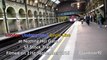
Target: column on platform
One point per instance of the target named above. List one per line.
(43, 20)
(36, 18)
(105, 13)
(48, 19)
(40, 19)
(2, 23)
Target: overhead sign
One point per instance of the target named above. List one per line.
(68, 13)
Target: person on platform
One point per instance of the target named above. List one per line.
(88, 19)
(99, 19)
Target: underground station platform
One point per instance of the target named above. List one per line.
(85, 43)
(53, 30)
(78, 42)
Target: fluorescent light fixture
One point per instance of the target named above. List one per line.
(56, 9)
(46, 5)
(52, 7)
(53, 0)
(36, 1)
(57, 2)
(78, 4)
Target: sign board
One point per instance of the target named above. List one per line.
(68, 13)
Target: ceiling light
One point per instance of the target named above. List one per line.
(56, 9)
(53, 0)
(36, 1)
(52, 7)
(78, 4)
(57, 2)
(46, 5)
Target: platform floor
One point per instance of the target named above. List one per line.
(86, 43)
(91, 43)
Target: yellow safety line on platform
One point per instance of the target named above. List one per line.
(50, 58)
(56, 49)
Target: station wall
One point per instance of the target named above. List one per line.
(19, 20)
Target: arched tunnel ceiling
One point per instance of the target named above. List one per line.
(73, 0)
(48, 2)
(69, 7)
(63, 4)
